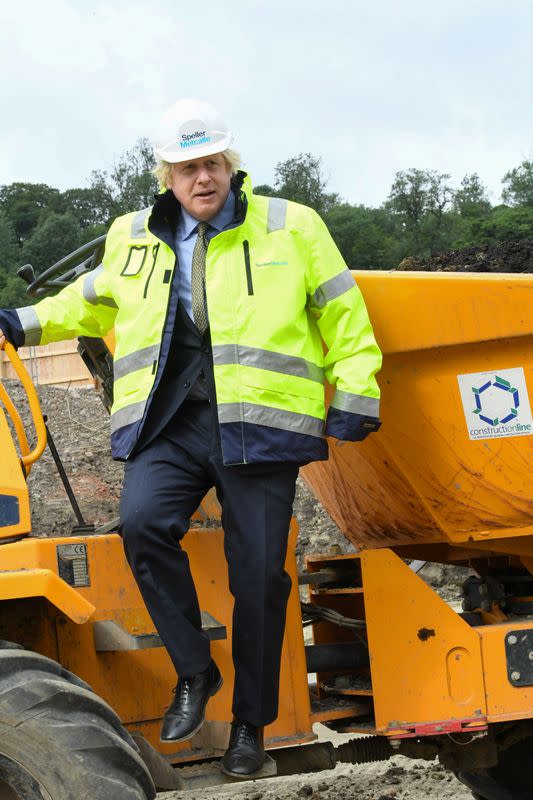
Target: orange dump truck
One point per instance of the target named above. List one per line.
(84, 680)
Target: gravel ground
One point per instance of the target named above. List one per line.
(80, 427)
(397, 779)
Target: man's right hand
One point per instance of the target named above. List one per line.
(2, 339)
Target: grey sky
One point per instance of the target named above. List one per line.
(373, 87)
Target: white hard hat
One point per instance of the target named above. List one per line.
(190, 129)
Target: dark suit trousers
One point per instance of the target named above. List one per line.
(164, 484)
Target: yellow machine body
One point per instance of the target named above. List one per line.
(41, 611)
(422, 479)
(14, 500)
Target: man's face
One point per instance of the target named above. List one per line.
(201, 185)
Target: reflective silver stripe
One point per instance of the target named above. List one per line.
(30, 325)
(138, 231)
(135, 361)
(356, 403)
(277, 214)
(266, 359)
(271, 418)
(125, 416)
(89, 292)
(332, 288)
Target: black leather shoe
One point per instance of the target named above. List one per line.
(245, 755)
(186, 713)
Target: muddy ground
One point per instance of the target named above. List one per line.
(80, 427)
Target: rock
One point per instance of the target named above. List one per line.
(433, 574)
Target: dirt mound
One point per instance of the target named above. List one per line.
(511, 256)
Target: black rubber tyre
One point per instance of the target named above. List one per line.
(510, 779)
(60, 741)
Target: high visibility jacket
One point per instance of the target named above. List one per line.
(277, 288)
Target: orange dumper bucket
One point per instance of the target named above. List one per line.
(453, 459)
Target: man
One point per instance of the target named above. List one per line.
(220, 301)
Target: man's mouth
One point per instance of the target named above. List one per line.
(205, 194)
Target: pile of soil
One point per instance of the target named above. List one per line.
(515, 255)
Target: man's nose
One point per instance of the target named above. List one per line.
(203, 175)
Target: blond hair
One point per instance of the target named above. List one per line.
(163, 169)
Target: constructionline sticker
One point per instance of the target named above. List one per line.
(496, 404)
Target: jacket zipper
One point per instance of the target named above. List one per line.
(155, 365)
(149, 278)
(246, 248)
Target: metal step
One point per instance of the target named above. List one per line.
(110, 636)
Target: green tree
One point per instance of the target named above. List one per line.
(471, 200)
(59, 235)
(518, 185)
(302, 179)
(503, 223)
(266, 190)
(129, 186)
(89, 206)
(420, 198)
(367, 237)
(28, 204)
(9, 249)
(12, 288)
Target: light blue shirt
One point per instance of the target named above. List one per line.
(186, 235)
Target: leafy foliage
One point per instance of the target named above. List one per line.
(27, 204)
(12, 291)
(130, 184)
(302, 179)
(56, 237)
(518, 185)
(421, 198)
(368, 238)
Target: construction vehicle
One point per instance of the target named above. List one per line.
(84, 680)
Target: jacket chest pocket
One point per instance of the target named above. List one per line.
(139, 266)
(135, 260)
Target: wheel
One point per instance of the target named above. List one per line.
(510, 779)
(59, 740)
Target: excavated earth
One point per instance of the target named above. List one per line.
(515, 255)
(79, 426)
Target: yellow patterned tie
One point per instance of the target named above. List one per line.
(199, 308)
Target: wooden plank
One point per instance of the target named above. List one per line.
(57, 364)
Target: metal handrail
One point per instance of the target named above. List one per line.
(28, 457)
